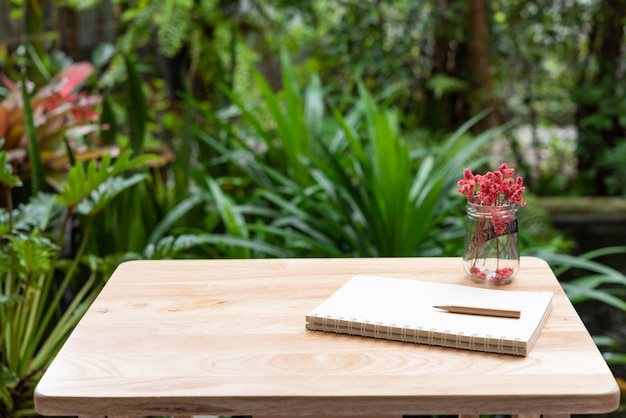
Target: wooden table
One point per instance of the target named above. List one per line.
(227, 337)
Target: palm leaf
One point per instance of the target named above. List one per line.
(81, 183)
(99, 198)
(41, 212)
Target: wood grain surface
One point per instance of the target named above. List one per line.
(228, 337)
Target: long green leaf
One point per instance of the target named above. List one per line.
(314, 109)
(171, 246)
(340, 218)
(301, 240)
(174, 215)
(108, 122)
(34, 153)
(579, 294)
(136, 110)
(244, 159)
(569, 261)
(234, 222)
(615, 358)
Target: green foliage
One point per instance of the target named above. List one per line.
(595, 282)
(175, 20)
(36, 170)
(233, 220)
(593, 286)
(442, 84)
(33, 326)
(335, 169)
(228, 246)
(346, 185)
(382, 43)
(537, 232)
(175, 17)
(136, 115)
(546, 70)
(99, 198)
(34, 254)
(82, 183)
(34, 277)
(6, 172)
(612, 160)
(203, 239)
(41, 212)
(288, 113)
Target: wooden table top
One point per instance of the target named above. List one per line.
(228, 337)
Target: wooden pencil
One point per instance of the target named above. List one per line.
(471, 310)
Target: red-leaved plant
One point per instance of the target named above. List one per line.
(62, 115)
(491, 244)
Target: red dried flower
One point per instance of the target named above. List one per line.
(494, 188)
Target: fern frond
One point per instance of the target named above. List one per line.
(174, 19)
(84, 4)
(138, 33)
(208, 10)
(442, 84)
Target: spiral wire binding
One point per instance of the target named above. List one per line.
(459, 339)
(472, 341)
(416, 335)
(444, 336)
(331, 324)
(403, 334)
(431, 336)
(501, 343)
(516, 346)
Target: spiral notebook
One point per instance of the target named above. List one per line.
(404, 310)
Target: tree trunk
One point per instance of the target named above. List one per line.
(481, 93)
(448, 111)
(33, 15)
(68, 28)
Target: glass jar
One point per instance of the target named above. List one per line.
(491, 254)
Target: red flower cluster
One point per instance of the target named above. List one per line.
(495, 188)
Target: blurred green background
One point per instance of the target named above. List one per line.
(285, 128)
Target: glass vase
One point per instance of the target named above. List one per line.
(491, 254)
